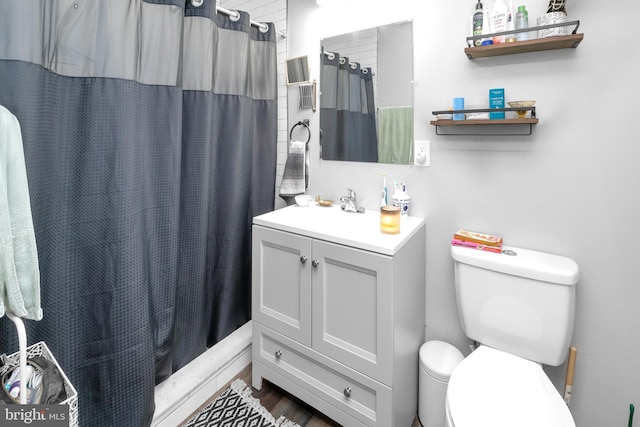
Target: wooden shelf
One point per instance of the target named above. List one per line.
(534, 45)
(485, 126)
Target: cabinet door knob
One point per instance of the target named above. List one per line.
(303, 259)
(278, 354)
(347, 392)
(315, 263)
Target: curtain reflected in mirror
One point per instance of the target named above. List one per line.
(347, 110)
(366, 95)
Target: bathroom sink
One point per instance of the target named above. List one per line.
(359, 230)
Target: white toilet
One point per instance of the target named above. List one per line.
(519, 306)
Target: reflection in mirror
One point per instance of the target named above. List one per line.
(298, 70)
(366, 95)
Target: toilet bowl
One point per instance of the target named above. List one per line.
(492, 388)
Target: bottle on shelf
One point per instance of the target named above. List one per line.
(522, 22)
(502, 20)
(479, 23)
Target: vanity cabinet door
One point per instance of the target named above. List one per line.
(352, 308)
(281, 282)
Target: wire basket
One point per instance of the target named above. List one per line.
(41, 349)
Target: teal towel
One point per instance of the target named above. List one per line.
(395, 135)
(19, 270)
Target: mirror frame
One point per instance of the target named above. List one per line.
(389, 92)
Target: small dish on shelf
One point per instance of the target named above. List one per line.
(522, 104)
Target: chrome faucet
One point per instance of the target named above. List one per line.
(349, 203)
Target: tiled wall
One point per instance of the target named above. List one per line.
(272, 11)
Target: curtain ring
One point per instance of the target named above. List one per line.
(196, 3)
(304, 123)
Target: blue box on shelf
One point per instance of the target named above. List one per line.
(458, 104)
(496, 100)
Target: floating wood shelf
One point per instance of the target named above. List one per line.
(484, 126)
(533, 45)
(529, 122)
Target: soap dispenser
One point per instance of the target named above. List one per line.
(479, 23)
(402, 200)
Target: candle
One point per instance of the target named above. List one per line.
(390, 219)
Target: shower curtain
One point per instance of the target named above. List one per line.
(149, 132)
(347, 111)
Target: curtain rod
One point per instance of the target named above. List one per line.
(234, 15)
(332, 55)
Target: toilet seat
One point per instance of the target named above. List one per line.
(491, 388)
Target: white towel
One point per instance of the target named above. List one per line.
(294, 178)
(19, 270)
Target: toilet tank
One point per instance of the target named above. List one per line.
(520, 301)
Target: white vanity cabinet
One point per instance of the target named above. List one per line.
(338, 312)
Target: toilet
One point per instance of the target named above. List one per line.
(519, 306)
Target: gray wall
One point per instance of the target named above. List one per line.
(571, 188)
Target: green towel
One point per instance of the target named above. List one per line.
(395, 135)
(19, 271)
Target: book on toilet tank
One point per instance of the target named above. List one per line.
(478, 246)
(480, 238)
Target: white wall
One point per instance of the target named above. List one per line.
(571, 188)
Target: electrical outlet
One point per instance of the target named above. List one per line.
(422, 153)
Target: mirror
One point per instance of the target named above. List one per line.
(298, 70)
(366, 95)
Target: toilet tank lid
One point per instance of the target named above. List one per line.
(522, 262)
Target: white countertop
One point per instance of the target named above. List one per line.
(358, 230)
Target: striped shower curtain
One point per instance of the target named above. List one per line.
(149, 131)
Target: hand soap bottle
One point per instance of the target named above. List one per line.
(479, 23)
(402, 200)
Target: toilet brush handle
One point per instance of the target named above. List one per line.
(568, 384)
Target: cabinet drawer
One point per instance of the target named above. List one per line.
(349, 391)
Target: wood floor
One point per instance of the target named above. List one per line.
(281, 403)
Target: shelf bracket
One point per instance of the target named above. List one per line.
(474, 132)
(471, 39)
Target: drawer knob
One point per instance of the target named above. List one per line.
(347, 392)
(278, 354)
(303, 259)
(315, 263)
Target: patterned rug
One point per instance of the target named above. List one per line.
(237, 408)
